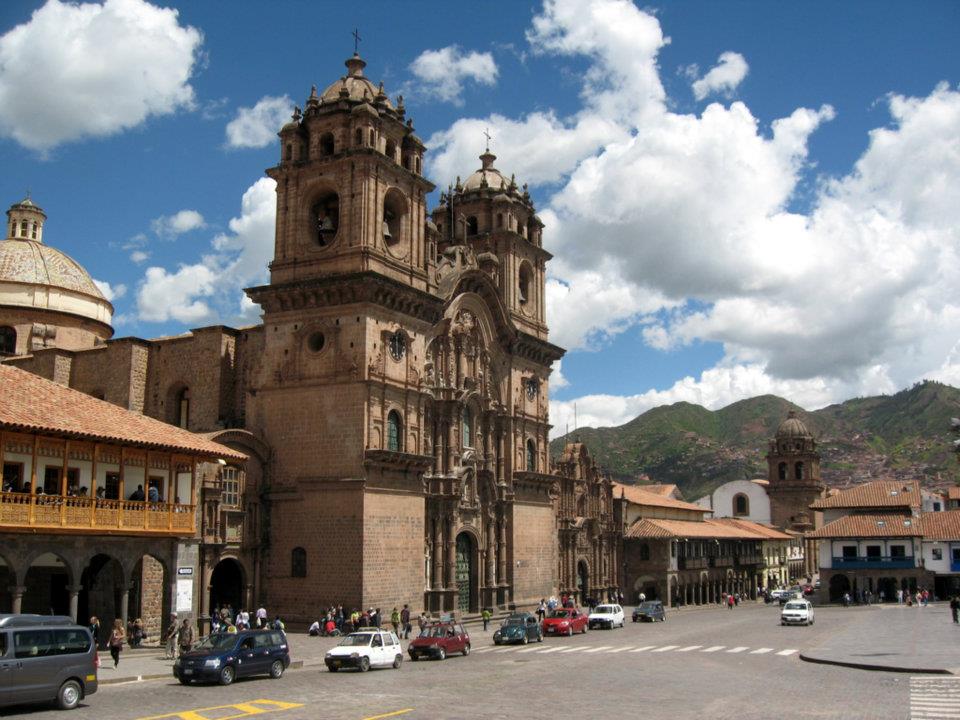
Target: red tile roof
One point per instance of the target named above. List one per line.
(30, 403)
(640, 496)
(879, 493)
(953, 493)
(876, 526)
(941, 525)
(664, 489)
(720, 528)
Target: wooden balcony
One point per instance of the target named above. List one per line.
(22, 512)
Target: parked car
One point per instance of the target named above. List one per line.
(565, 621)
(808, 590)
(224, 657)
(519, 628)
(364, 650)
(797, 612)
(651, 610)
(46, 658)
(439, 640)
(606, 616)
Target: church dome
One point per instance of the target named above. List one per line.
(354, 86)
(486, 176)
(793, 427)
(35, 275)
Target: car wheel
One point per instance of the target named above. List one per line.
(414, 657)
(540, 637)
(782, 623)
(583, 630)
(184, 680)
(332, 668)
(397, 661)
(442, 655)
(569, 632)
(276, 669)
(525, 640)
(227, 675)
(466, 649)
(364, 664)
(496, 642)
(68, 696)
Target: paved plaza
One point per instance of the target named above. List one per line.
(700, 663)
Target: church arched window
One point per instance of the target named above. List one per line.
(467, 428)
(391, 150)
(33, 231)
(373, 138)
(531, 456)
(644, 552)
(394, 208)
(741, 504)
(472, 225)
(298, 562)
(8, 340)
(289, 152)
(419, 165)
(358, 137)
(798, 470)
(394, 432)
(325, 218)
(23, 228)
(782, 471)
(326, 144)
(183, 408)
(524, 283)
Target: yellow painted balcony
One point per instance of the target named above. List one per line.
(59, 513)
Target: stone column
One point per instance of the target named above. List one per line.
(74, 591)
(16, 598)
(437, 553)
(124, 605)
(491, 554)
(451, 551)
(502, 552)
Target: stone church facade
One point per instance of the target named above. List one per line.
(393, 403)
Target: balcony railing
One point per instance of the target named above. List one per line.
(58, 512)
(872, 562)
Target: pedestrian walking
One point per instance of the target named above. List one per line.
(405, 621)
(486, 618)
(541, 609)
(185, 636)
(900, 596)
(422, 622)
(95, 630)
(730, 602)
(170, 639)
(395, 621)
(955, 608)
(261, 617)
(116, 641)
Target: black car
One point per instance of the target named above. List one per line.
(227, 656)
(519, 628)
(651, 610)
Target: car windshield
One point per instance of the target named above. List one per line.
(436, 631)
(223, 641)
(513, 621)
(356, 639)
(560, 614)
(603, 610)
(795, 606)
(648, 606)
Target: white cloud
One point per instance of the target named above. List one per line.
(257, 126)
(212, 288)
(693, 233)
(723, 78)
(110, 292)
(104, 68)
(139, 256)
(441, 73)
(170, 226)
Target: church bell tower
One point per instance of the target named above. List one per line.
(793, 473)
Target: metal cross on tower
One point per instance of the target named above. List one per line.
(356, 41)
(486, 134)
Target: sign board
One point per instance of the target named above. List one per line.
(185, 571)
(185, 595)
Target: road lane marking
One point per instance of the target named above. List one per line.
(598, 649)
(620, 649)
(689, 648)
(665, 648)
(389, 714)
(550, 650)
(784, 653)
(738, 649)
(575, 649)
(529, 649)
(246, 709)
(934, 697)
(484, 649)
(645, 647)
(761, 651)
(714, 648)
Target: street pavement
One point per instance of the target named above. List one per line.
(712, 662)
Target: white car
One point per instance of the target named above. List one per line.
(606, 616)
(797, 612)
(364, 650)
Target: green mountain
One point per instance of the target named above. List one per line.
(902, 436)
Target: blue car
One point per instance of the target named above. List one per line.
(519, 628)
(225, 657)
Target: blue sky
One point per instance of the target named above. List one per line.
(742, 197)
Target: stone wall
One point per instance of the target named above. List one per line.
(534, 553)
(393, 557)
(639, 573)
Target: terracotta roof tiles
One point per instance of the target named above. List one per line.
(719, 528)
(641, 496)
(877, 526)
(30, 403)
(879, 493)
(941, 525)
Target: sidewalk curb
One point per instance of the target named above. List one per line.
(873, 667)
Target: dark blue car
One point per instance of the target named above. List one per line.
(225, 657)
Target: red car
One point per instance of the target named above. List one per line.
(565, 621)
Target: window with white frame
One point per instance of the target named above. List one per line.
(231, 482)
